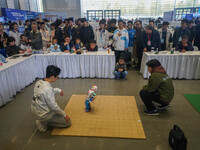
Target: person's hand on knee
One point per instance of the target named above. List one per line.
(67, 118)
(61, 93)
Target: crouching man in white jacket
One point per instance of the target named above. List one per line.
(44, 105)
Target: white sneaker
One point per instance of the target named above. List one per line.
(41, 127)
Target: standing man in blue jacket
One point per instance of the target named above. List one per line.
(131, 35)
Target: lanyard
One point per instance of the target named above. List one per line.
(149, 37)
(163, 33)
(44, 35)
(102, 31)
(70, 31)
(182, 32)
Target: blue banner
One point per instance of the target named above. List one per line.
(13, 14)
(189, 16)
(33, 15)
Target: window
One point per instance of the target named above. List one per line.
(138, 8)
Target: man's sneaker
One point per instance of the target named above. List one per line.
(151, 113)
(41, 127)
(163, 106)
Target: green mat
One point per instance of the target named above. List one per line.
(194, 99)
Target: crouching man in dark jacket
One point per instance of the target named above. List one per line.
(160, 88)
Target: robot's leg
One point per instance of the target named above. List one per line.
(88, 108)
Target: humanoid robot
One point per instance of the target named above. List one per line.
(90, 97)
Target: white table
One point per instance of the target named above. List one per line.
(88, 65)
(18, 73)
(178, 65)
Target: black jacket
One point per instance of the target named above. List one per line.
(180, 47)
(59, 36)
(138, 42)
(5, 36)
(193, 33)
(64, 47)
(197, 36)
(73, 33)
(12, 50)
(179, 33)
(86, 34)
(89, 48)
(36, 40)
(154, 38)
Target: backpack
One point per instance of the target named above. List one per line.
(177, 139)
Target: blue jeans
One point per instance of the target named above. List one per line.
(120, 74)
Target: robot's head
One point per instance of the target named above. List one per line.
(94, 88)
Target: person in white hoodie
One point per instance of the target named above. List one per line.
(121, 40)
(14, 32)
(102, 36)
(44, 105)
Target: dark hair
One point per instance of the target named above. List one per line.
(185, 37)
(54, 38)
(120, 21)
(140, 21)
(38, 23)
(59, 22)
(37, 18)
(184, 21)
(27, 21)
(122, 58)
(42, 23)
(153, 63)
(33, 23)
(101, 22)
(130, 21)
(124, 22)
(151, 21)
(66, 20)
(52, 71)
(21, 36)
(78, 37)
(190, 21)
(14, 23)
(46, 20)
(165, 23)
(32, 20)
(70, 19)
(149, 27)
(11, 39)
(79, 19)
(112, 21)
(93, 41)
(84, 19)
(53, 24)
(67, 36)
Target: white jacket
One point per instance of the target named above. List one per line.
(45, 35)
(168, 36)
(16, 35)
(120, 42)
(44, 104)
(104, 36)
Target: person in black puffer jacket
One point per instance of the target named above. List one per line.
(86, 32)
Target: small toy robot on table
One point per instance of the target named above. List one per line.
(90, 97)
